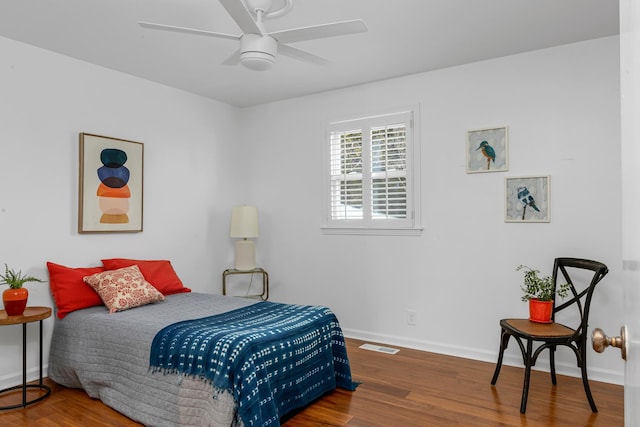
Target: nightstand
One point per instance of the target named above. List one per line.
(31, 314)
(265, 281)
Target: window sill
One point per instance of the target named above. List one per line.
(360, 231)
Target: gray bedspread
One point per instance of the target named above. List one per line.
(107, 355)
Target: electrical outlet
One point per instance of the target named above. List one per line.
(411, 317)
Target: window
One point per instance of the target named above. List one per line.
(371, 185)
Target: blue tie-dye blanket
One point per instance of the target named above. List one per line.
(272, 357)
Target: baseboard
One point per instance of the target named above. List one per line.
(15, 379)
(595, 374)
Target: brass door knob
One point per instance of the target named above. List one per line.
(601, 341)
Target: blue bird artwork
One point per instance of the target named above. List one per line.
(488, 152)
(527, 200)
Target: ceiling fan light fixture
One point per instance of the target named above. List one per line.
(257, 61)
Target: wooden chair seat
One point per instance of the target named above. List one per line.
(537, 331)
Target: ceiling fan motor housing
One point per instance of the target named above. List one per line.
(257, 52)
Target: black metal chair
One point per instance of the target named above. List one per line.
(555, 334)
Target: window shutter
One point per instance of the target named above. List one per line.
(389, 171)
(371, 174)
(346, 175)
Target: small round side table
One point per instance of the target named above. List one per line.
(31, 314)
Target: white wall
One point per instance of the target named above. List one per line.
(191, 148)
(562, 109)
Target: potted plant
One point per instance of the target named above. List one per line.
(15, 298)
(539, 291)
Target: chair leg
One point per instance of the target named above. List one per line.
(527, 377)
(504, 341)
(585, 379)
(587, 390)
(552, 364)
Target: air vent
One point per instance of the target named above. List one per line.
(379, 348)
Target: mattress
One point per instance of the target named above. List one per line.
(109, 355)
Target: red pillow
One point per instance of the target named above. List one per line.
(159, 273)
(69, 291)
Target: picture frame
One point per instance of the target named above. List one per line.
(110, 185)
(527, 199)
(487, 150)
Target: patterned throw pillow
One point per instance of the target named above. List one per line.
(123, 288)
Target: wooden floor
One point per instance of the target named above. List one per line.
(410, 388)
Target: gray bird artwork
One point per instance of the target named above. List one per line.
(527, 200)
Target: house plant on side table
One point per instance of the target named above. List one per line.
(540, 291)
(15, 298)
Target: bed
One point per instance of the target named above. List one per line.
(109, 355)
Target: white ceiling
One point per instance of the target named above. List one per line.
(405, 37)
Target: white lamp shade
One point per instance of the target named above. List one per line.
(244, 222)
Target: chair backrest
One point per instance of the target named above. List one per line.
(565, 270)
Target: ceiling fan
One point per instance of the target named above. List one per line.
(257, 46)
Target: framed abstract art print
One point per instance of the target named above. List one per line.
(110, 185)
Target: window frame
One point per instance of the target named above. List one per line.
(409, 226)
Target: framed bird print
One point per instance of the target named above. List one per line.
(488, 150)
(527, 199)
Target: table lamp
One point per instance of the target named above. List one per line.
(244, 225)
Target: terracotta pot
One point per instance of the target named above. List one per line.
(540, 311)
(15, 300)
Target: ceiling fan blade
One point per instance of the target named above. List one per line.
(187, 30)
(319, 31)
(301, 55)
(242, 16)
(234, 59)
